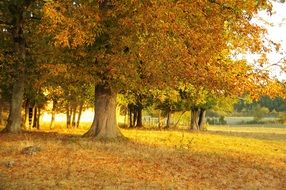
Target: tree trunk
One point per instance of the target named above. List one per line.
(1, 113)
(53, 114)
(14, 119)
(52, 124)
(73, 114)
(38, 118)
(30, 115)
(135, 116)
(104, 123)
(139, 116)
(68, 110)
(26, 117)
(179, 118)
(130, 116)
(202, 117)
(168, 119)
(79, 114)
(159, 120)
(17, 17)
(194, 119)
(35, 116)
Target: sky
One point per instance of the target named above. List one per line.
(276, 33)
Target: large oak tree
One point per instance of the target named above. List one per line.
(170, 41)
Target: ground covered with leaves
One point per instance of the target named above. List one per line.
(221, 158)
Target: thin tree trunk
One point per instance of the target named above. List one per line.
(168, 119)
(179, 118)
(194, 119)
(14, 119)
(30, 115)
(52, 124)
(79, 114)
(35, 116)
(1, 113)
(38, 118)
(53, 114)
(139, 116)
(26, 117)
(159, 120)
(202, 117)
(68, 110)
(104, 123)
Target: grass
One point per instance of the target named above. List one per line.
(222, 158)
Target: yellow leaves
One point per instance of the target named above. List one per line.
(55, 69)
(263, 59)
(176, 40)
(71, 26)
(62, 39)
(151, 160)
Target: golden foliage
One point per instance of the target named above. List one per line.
(166, 41)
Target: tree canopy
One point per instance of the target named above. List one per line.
(129, 45)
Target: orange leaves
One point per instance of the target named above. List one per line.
(70, 25)
(251, 157)
(62, 39)
(263, 59)
(174, 41)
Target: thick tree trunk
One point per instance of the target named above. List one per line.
(73, 114)
(135, 116)
(139, 117)
(202, 117)
(194, 119)
(15, 119)
(104, 123)
(79, 114)
(19, 43)
(130, 116)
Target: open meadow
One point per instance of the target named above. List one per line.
(221, 158)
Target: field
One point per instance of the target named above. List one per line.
(221, 158)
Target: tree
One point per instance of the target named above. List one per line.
(170, 41)
(17, 23)
(14, 16)
(260, 112)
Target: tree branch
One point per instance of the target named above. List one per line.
(223, 6)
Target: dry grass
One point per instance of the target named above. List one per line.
(219, 159)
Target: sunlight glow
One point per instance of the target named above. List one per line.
(87, 116)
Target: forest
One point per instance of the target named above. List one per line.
(141, 94)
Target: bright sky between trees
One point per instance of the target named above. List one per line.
(276, 26)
